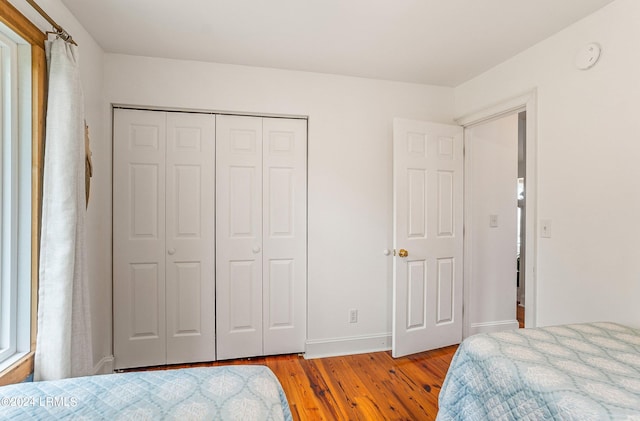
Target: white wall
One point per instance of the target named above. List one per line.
(587, 163)
(98, 222)
(491, 186)
(349, 183)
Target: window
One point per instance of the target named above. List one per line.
(26, 120)
(15, 197)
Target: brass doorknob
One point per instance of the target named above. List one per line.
(403, 253)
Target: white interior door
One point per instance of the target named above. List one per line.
(239, 236)
(190, 270)
(139, 238)
(428, 203)
(284, 235)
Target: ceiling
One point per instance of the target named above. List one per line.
(438, 42)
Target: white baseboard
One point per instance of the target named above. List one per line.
(104, 366)
(347, 346)
(498, 326)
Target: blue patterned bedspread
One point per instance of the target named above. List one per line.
(572, 372)
(238, 392)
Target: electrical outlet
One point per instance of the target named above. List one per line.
(353, 316)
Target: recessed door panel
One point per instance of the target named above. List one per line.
(417, 144)
(243, 283)
(242, 201)
(446, 193)
(188, 207)
(281, 201)
(281, 142)
(445, 290)
(145, 290)
(188, 277)
(189, 139)
(143, 187)
(416, 294)
(145, 137)
(281, 293)
(446, 147)
(243, 141)
(417, 202)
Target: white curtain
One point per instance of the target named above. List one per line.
(63, 347)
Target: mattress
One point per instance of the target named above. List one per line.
(572, 372)
(236, 392)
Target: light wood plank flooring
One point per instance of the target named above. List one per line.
(363, 387)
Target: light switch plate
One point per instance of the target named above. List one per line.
(493, 221)
(545, 228)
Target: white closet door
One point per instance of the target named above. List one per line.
(138, 238)
(239, 236)
(284, 235)
(190, 270)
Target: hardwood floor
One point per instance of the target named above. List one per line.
(520, 315)
(363, 387)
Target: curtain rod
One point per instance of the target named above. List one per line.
(60, 32)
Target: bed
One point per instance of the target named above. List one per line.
(572, 372)
(238, 392)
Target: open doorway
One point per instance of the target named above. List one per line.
(491, 180)
(491, 271)
(521, 224)
(495, 223)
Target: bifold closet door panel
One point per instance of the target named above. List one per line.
(163, 238)
(238, 236)
(139, 238)
(284, 235)
(190, 224)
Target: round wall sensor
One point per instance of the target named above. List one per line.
(587, 56)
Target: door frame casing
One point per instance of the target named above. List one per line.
(525, 102)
